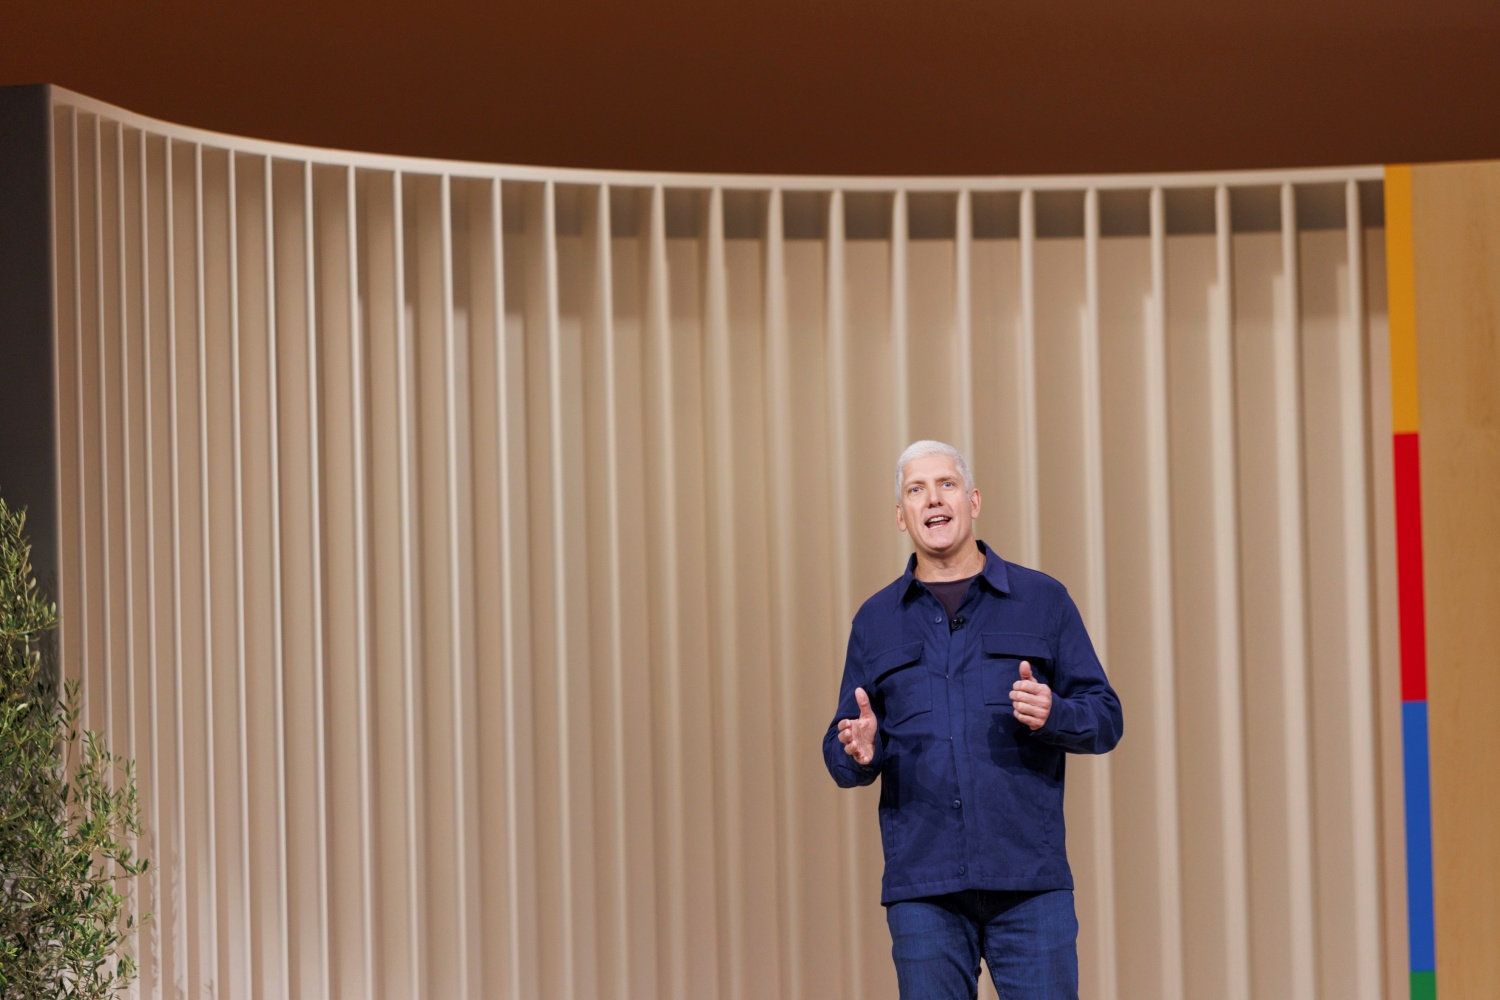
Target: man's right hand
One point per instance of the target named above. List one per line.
(858, 735)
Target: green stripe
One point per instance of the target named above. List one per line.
(1424, 986)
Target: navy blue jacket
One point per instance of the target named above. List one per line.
(970, 798)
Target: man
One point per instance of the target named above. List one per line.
(966, 681)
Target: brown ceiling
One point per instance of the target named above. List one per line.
(811, 86)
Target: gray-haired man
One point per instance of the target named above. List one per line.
(967, 681)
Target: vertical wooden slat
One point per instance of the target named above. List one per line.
(246, 327)
(851, 871)
(572, 408)
(1359, 594)
(1290, 515)
(900, 364)
(646, 897)
(73, 545)
(1028, 495)
(696, 694)
(690, 689)
(563, 734)
(338, 676)
(522, 975)
(899, 319)
(1391, 804)
(114, 664)
(1324, 316)
(464, 512)
(488, 926)
(100, 713)
(1159, 582)
(320, 978)
(495, 889)
(963, 311)
(317, 978)
(459, 647)
(725, 593)
(244, 956)
(538, 340)
(158, 846)
(189, 594)
(779, 442)
(1095, 606)
(170, 826)
(123, 583)
(616, 576)
(180, 873)
(611, 802)
(163, 842)
(666, 646)
(432, 600)
(519, 694)
(90, 397)
(282, 976)
(363, 682)
(1226, 563)
(214, 971)
(134, 398)
(407, 487)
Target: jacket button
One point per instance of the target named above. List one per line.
(962, 869)
(958, 803)
(938, 620)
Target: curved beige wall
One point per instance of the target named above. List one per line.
(465, 553)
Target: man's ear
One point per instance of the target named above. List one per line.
(900, 518)
(974, 502)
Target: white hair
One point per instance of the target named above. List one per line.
(926, 449)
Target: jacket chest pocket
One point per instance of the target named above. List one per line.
(903, 687)
(1001, 668)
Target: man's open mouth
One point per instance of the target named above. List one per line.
(937, 520)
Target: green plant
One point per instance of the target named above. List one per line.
(67, 811)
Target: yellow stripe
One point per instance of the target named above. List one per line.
(1400, 270)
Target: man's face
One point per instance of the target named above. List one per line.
(935, 508)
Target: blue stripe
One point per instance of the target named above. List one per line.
(1418, 836)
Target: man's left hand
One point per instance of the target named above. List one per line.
(1030, 699)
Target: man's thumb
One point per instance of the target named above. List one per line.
(1025, 671)
(863, 700)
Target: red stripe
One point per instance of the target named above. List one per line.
(1409, 569)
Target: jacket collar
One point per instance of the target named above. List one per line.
(994, 574)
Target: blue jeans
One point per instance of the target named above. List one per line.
(1028, 939)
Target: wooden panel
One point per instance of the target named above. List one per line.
(1456, 250)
